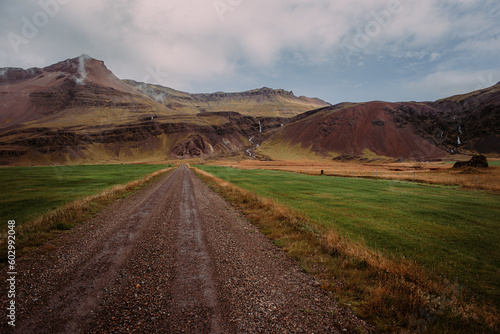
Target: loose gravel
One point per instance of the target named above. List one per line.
(174, 257)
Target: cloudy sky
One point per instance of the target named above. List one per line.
(337, 50)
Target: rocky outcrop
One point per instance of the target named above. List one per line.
(73, 66)
(11, 74)
(478, 161)
(12, 153)
(194, 146)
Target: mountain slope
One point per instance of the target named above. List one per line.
(77, 111)
(355, 128)
(264, 102)
(409, 130)
(154, 138)
(68, 89)
(469, 122)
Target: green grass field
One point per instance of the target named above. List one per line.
(28, 192)
(448, 231)
(491, 163)
(494, 163)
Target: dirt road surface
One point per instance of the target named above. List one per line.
(172, 258)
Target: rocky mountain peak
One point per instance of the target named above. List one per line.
(73, 65)
(271, 91)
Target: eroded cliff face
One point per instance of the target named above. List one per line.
(194, 146)
(203, 135)
(467, 122)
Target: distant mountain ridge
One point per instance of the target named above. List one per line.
(263, 102)
(77, 111)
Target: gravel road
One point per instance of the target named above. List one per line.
(174, 257)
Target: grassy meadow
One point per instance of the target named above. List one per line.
(437, 172)
(28, 192)
(450, 232)
(495, 163)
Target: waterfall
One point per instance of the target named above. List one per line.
(458, 140)
(260, 127)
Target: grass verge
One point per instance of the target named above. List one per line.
(28, 192)
(37, 231)
(395, 294)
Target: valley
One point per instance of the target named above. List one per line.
(316, 217)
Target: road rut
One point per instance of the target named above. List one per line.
(174, 257)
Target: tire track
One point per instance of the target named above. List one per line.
(68, 308)
(174, 257)
(193, 287)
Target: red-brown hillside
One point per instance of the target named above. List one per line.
(353, 128)
(76, 84)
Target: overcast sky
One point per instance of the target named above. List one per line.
(337, 50)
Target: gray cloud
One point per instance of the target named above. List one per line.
(192, 44)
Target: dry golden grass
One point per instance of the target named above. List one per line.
(427, 172)
(396, 295)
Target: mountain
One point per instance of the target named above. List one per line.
(469, 122)
(264, 102)
(75, 88)
(358, 129)
(408, 130)
(78, 111)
